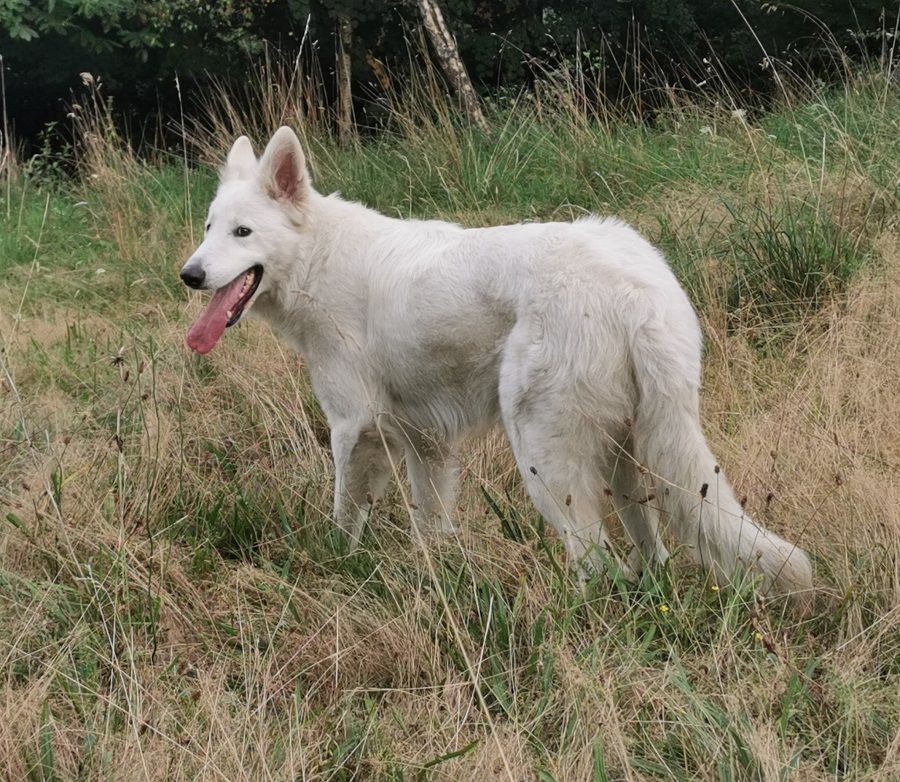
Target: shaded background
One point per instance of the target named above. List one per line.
(138, 48)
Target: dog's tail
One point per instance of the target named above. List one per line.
(694, 496)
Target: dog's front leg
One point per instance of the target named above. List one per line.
(432, 468)
(364, 460)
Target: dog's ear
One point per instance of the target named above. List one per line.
(241, 162)
(282, 168)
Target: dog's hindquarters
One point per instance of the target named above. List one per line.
(566, 395)
(600, 381)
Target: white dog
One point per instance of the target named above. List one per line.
(577, 336)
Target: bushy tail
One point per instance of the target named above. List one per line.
(697, 503)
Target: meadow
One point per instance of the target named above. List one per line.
(175, 605)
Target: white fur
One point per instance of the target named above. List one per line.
(577, 336)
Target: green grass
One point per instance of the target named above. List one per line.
(175, 603)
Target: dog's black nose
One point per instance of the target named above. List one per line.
(193, 277)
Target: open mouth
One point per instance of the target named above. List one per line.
(251, 280)
(224, 309)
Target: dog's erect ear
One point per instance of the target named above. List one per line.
(241, 162)
(282, 168)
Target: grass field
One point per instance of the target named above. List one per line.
(174, 604)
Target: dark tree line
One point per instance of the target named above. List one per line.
(139, 45)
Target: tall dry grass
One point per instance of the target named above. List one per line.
(176, 604)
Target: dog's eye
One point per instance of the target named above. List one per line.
(208, 226)
(242, 231)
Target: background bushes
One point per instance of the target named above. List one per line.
(644, 47)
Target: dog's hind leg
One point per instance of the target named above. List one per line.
(562, 479)
(636, 505)
(562, 454)
(364, 460)
(567, 497)
(432, 469)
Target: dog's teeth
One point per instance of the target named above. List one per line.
(230, 314)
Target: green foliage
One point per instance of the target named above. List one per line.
(103, 25)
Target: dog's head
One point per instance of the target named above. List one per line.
(249, 244)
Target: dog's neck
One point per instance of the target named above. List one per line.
(325, 279)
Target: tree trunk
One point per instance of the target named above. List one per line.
(345, 94)
(448, 57)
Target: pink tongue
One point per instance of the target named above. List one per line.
(207, 331)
